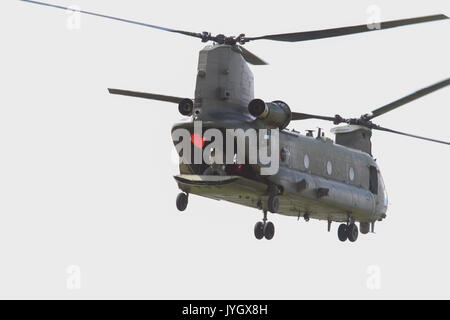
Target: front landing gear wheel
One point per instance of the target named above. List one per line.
(269, 230)
(352, 232)
(342, 232)
(259, 230)
(182, 201)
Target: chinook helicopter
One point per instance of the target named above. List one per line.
(318, 178)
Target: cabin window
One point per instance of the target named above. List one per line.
(373, 180)
(306, 161)
(329, 168)
(284, 154)
(351, 174)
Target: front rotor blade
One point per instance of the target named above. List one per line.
(146, 95)
(251, 58)
(187, 33)
(336, 32)
(400, 102)
(305, 116)
(409, 135)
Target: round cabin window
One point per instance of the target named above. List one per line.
(306, 161)
(351, 174)
(329, 168)
(284, 154)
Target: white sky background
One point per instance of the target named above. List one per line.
(86, 177)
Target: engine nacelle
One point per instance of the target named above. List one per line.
(275, 114)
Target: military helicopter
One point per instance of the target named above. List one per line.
(318, 178)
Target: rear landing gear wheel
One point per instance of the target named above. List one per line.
(269, 230)
(352, 232)
(182, 201)
(342, 232)
(259, 230)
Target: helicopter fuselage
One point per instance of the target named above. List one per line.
(316, 178)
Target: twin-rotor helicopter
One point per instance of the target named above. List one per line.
(317, 178)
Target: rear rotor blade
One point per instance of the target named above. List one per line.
(409, 135)
(251, 58)
(145, 95)
(400, 102)
(187, 33)
(336, 32)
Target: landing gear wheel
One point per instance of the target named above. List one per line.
(269, 230)
(259, 230)
(352, 232)
(182, 201)
(273, 204)
(342, 232)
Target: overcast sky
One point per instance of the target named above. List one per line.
(86, 186)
